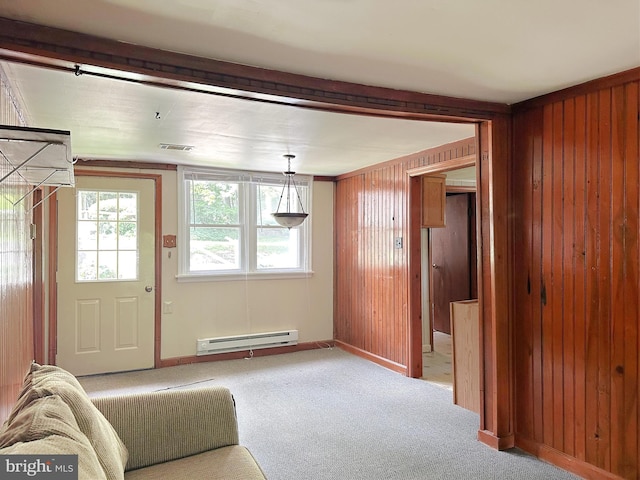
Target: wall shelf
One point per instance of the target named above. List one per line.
(38, 157)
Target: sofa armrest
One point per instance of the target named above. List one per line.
(162, 426)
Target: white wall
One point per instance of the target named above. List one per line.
(212, 309)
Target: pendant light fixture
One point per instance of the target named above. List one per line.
(289, 219)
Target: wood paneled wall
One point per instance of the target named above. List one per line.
(16, 324)
(371, 312)
(576, 277)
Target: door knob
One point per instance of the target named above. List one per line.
(148, 288)
(435, 266)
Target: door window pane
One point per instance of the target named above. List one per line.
(107, 236)
(107, 265)
(87, 236)
(87, 205)
(127, 265)
(108, 205)
(87, 266)
(127, 206)
(127, 236)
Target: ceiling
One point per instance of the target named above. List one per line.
(501, 51)
(119, 120)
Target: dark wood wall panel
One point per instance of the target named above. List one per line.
(576, 278)
(16, 323)
(371, 312)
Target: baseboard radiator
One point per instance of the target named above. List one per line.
(252, 341)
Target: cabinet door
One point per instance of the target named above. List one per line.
(433, 200)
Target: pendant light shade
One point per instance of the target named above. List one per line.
(288, 218)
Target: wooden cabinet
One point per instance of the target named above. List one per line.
(433, 200)
(465, 334)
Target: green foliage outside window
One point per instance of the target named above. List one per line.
(214, 203)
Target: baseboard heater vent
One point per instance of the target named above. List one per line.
(253, 341)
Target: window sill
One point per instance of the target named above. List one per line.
(232, 277)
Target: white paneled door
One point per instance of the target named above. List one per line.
(106, 272)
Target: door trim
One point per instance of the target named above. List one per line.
(53, 263)
(37, 218)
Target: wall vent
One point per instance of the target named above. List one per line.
(173, 146)
(253, 341)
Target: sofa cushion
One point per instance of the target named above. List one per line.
(47, 427)
(39, 419)
(161, 426)
(227, 463)
(47, 380)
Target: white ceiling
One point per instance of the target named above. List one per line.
(495, 50)
(118, 120)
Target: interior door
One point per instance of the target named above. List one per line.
(106, 272)
(450, 261)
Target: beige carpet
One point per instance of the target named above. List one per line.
(326, 414)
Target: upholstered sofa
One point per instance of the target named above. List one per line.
(171, 434)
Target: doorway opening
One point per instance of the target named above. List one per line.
(449, 270)
(449, 288)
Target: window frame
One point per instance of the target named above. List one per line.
(248, 183)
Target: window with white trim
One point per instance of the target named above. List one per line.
(227, 229)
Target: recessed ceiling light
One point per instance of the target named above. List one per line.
(173, 146)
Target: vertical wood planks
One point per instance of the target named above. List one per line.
(546, 290)
(371, 310)
(617, 278)
(625, 365)
(16, 278)
(579, 273)
(536, 274)
(592, 292)
(555, 288)
(16, 323)
(630, 462)
(576, 183)
(605, 222)
(632, 283)
(565, 270)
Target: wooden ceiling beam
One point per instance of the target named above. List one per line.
(86, 54)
